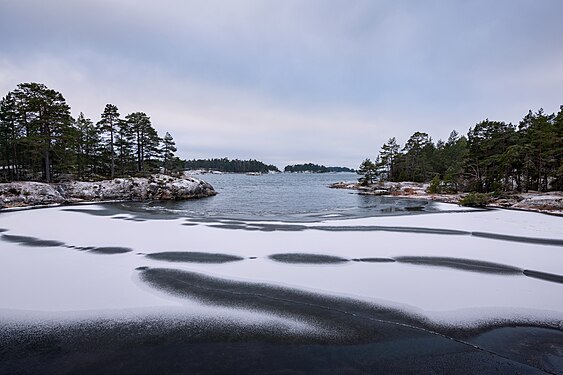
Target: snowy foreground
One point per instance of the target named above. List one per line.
(442, 272)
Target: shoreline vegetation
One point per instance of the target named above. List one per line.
(225, 165)
(41, 141)
(315, 168)
(47, 157)
(493, 158)
(544, 202)
(496, 164)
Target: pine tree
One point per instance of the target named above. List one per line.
(88, 146)
(10, 137)
(387, 155)
(124, 143)
(368, 170)
(168, 150)
(45, 118)
(145, 140)
(108, 125)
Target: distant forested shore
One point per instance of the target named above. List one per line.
(494, 156)
(314, 168)
(41, 141)
(230, 166)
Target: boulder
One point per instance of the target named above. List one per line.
(155, 187)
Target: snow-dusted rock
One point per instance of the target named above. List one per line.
(155, 187)
(552, 201)
(549, 202)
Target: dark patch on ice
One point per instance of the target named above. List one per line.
(31, 241)
(103, 211)
(201, 220)
(251, 257)
(135, 219)
(266, 227)
(270, 227)
(190, 224)
(233, 222)
(536, 346)
(461, 264)
(142, 268)
(227, 226)
(375, 260)
(151, 345)
(3, 230)
(415, 208)
(378, 228)
(194, 257)
(110, 250)
(532, 240)
(84, 248)
(304, 258)
(397, 336)
(343, 319)
(544, 276)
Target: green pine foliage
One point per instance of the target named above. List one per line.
(493, 157)
(39, 140)
(369, 172)
(230, 166)
(314, 168)
(475, 199)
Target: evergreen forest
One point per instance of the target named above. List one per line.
(494, 156)
(231, 166)
(315, 168)
(41, 141)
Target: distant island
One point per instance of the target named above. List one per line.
(231, 166)
(314, 168)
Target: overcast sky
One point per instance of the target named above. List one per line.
(291, 81)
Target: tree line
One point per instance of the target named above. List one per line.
(494, 156)
(231, 166)
(40, 140)
(314, 168)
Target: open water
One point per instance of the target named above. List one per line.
(287, 197)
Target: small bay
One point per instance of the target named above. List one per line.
(294, 197)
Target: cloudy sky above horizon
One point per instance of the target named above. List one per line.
(291, 81)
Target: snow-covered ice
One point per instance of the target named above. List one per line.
(66, 279)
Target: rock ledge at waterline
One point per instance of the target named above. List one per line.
(154, 187)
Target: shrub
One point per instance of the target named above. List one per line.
(14, 191)
(475, 200)
(435, 186)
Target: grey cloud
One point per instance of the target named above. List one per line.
(253, 71)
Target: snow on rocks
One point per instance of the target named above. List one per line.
(154, 187)
(547, 202)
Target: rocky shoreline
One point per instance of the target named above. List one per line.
(548, 202)
(155, 187)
